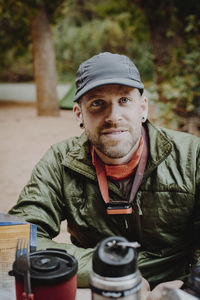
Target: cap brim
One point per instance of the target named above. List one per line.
(120, 81)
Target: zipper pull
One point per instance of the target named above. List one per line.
(138, 206)
(126, 223)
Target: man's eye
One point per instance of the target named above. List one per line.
(96, 103)
(124, 100)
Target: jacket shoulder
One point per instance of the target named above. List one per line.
(179, 138)
(59, 150)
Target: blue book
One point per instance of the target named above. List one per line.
(13, 228)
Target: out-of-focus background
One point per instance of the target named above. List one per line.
(42, 43)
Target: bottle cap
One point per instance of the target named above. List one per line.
(113, 260)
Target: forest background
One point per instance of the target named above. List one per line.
(45, 41)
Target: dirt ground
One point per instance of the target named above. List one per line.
(24, 138)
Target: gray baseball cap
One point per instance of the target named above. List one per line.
(106, 68)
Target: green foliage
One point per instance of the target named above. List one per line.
(91, 28)
(15, 39)
(14, 27)
(84, 28)
(181, 89)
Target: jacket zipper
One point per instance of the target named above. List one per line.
(133, 221)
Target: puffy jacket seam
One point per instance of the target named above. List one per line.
(80, 171)
(111, 185)
(167, 191)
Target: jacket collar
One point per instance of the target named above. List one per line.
(159, 147)
(79, 157)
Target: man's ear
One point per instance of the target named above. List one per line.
(78, 113)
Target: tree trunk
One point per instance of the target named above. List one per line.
(159, 14)
(44, 65)
(157, 25)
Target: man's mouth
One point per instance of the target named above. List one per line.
(113, 131)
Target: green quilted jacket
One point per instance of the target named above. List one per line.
(166, 209)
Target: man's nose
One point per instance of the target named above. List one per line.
(113, 114)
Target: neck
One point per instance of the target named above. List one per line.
(117, 161)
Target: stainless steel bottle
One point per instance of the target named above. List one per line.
(115, 274)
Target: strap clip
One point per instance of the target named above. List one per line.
(118, 208)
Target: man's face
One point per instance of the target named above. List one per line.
(112, 118)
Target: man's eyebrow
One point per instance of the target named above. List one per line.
(90, 97)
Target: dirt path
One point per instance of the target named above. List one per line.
(24, 138)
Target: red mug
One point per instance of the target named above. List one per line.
(53, 275)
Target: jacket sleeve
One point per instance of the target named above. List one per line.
(197, 209)
(41, 202)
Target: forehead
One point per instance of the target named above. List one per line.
(116, 89)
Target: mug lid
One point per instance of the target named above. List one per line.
(50, 266)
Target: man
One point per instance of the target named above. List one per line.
(123, 176)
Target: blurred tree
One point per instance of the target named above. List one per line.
(44, 64)
(163, 34)
(17, 18)
(175, 35)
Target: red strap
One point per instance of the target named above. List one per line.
(102, 179)
(140, 168)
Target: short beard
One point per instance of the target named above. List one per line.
(113, 151)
